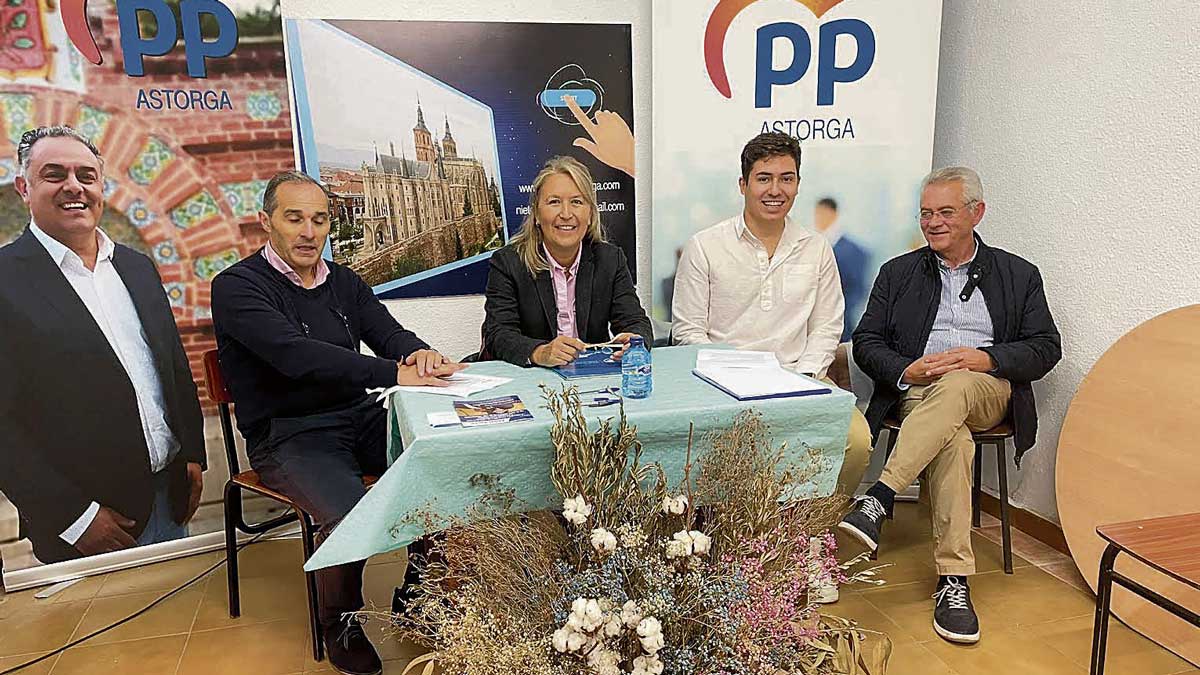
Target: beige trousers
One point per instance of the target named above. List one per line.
(858, 453)
(935, 440)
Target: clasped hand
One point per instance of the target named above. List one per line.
(426, 367)
(563, 349)
(927, 369)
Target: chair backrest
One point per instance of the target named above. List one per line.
(214, 383)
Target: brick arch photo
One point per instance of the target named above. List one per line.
(183, 180)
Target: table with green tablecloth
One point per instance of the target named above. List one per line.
(434, 473)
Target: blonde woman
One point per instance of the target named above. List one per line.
(558, 285)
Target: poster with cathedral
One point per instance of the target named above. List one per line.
(432, 144)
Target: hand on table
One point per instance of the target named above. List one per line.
(927, 369)
(558, 352)
(409, 376)
(431, 362)
(623, 338)
(611, 139)
(109, 531)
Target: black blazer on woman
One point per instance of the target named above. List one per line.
(521, 309)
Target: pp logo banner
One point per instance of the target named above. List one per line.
(766, 77)
(136, 47)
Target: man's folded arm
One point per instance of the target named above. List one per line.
(245, 313)
(1038, 347)
(380, 330)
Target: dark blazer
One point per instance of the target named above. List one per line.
(900, 313)
(852, 262)
(71, 433)
(522, 312)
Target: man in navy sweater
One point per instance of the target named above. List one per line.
(288, 327)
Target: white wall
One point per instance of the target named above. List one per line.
(1081, 117)
(452, 324)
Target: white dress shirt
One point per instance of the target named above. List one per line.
(728, 290)
(106, 298)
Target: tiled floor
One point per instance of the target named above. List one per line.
(1037, 621)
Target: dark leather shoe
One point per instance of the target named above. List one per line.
(349, 650)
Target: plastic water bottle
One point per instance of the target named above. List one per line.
(636, 378)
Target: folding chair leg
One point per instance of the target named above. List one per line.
(233, 515)
(310, 583)
(1005, 531)
(975, 506)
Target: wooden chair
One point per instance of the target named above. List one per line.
(234, 518)
(1170, 545)
(996, 436)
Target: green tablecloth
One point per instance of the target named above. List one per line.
(431, 469)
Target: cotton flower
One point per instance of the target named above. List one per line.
(603, 540)
(593, 615)
(677, 549)
(631, 616)
(576, 641)
(675, 505)
(701, 543)
(559, 639)
(612, 627)
(647, 665)
(680, 545)
(586, 615)
(604, 661)
(576, 510)
(649, 632)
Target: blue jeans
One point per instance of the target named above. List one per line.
(319, 461)
(160, 526)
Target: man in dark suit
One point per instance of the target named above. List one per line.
(558, 286)
(851, 259)
(102, 443)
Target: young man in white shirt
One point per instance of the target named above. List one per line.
(762, 282)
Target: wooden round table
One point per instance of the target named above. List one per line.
(1130, 449)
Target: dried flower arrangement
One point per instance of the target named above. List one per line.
(636, 577)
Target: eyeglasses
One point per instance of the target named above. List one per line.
(947, 213)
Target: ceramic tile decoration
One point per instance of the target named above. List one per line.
(17, 112)
(92, 122)
(195, 209)
(209, 266)
(244, 198)
(154, 158)
(139, 214)
(263, 105)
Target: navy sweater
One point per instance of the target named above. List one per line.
(288, 351)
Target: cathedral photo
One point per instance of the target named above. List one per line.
(415, 207)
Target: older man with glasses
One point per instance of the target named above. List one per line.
(953, 336)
